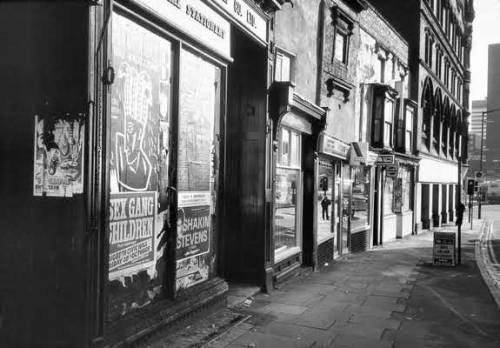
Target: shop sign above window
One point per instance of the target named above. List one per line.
(385, 159)
(333, 147)
(196, 19)
(245, 15)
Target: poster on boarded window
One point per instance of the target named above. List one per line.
(58, 155)
(193, 224)
(191, 271)
(131, 231)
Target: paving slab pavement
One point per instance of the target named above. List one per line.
(391, 296)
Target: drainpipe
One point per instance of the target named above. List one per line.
(319, 51)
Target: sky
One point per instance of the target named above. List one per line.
(486, 30)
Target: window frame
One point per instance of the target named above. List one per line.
(380, 123)
(285, 55)
(343, 24)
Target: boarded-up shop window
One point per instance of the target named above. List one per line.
(139, 140)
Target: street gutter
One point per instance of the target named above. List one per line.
(486, 261)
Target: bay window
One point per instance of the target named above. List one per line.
(383, 116)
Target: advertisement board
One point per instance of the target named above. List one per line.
(444, 249)
(58, 155)
(132, 218)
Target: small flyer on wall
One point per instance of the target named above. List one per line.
(131, 232)
(58, 156)
(191, 271)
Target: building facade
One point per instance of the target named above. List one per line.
(147, 179)
(492, 162)
(353, 63)
(440, 41)
(386, 117)
(476, 127)
(168, 148)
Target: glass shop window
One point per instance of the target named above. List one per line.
(141, 99)
(407, 184)
(325, 202)
(287, 215)
(289, 148)
(360, 208)
(388, 195)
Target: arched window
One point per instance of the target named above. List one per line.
(446, 125)
(428, 106)
(436, 121)
(458, 138)
(453, 129)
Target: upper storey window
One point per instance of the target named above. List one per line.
(383, 116)
(283, 66)
(438, 10)
(343, 26)
(429, 42)
(340, 47)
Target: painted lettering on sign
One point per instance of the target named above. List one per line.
(203, 20)
(208, 26)
(334, 147)
(193, 231)
(444, 248)
(175, 3)
(244, 14)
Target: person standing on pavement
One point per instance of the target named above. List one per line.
(325, 203)
(460, 213)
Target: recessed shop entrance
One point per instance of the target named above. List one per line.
(242, 243)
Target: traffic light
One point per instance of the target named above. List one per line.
(471, 183)
(476, 185)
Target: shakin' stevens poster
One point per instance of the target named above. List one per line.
(58, 155)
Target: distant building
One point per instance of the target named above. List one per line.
(477, 109)
(439, 34)
(492, 163)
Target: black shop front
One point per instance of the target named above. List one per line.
(137, 140)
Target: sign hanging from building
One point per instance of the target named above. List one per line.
(358, 154)
(444, 249)
(392, 170)
(385, 159)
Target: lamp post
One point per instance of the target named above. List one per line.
(484, 113)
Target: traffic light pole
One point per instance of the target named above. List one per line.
(481, 155)
(459, 201)
(481, 165)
